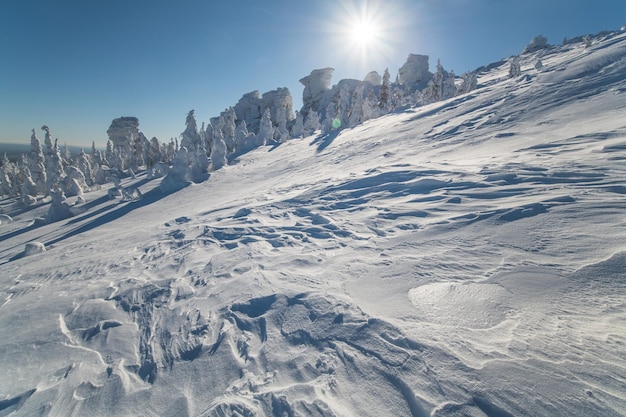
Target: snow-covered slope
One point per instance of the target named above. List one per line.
(467, 258)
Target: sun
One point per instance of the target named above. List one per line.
(364, 33)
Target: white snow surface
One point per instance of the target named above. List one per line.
(466, 258)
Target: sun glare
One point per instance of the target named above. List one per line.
(364, 33)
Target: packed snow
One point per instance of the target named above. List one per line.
(462, 258)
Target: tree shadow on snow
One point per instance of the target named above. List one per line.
(324, 140)
(150, 197)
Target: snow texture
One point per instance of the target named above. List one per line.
(463, 258)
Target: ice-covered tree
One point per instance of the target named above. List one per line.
(281, 134)
(297, 130)
(356, 107)
(468, 84)
(29, 188)
(54, 169)
(383, 102)
(190, 137)
(84, 164)
(218, 152)
(266, 129)
(74, 183)
(536, 43)
(515, 69)
(229, 129)
(312, 122)
(6, 174)
(36, 163)
(59, 208)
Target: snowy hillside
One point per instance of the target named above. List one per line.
(465, 258)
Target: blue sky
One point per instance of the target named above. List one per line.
(77, 64)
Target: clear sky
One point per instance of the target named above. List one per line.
(77, 64)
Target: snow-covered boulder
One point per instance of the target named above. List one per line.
(414, 70)
(121, 130)
(32, 248)
(373, 78)
(315, 85)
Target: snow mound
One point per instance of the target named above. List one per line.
(470, 305)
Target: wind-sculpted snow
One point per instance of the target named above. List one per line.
(464, 258)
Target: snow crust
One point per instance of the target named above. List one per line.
(464, 258)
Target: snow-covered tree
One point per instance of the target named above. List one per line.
(6, 172)
(515, 69)
(190, 137)
(29, 188)
(229, 129)
(74, 183)
(36, 163)
(54, 169)
(59, 209)
(468, 84)
(84, 164)
(218, 152)
(356, 107)
(536, 43)
(297, 130)
(383, 102)
(312, 122)
(266, 130)
(281, 134)
(539, 65)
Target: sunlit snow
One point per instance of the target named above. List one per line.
(465, 258)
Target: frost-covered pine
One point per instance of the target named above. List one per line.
(6, 184)
(332, 120)
(356, 110)
(59, 209)
(469, 83)
(370, 108)
(448, 89)
(244, 141)
(539, 65)
(84, 164)
(108, 153)
(218, 152)
(54, 169)
(29, 188)
(312, 123)
(229, 129)
(74, 183)
(179, 175)
(190, 137)
(154, 152)
(281, 134)
(383, 102)
(515, 70)
(36, 163)
(536, 43)
(297, 130)
(266, 130)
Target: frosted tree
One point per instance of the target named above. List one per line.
(332, 120)
(154, 152)
(36, 163)
(190, 137)
(6, 183)
(108, 153)
(83, 163)
(468, 84)
(266, 130)
(383, 103)
(515, 69)
(54, 169)
(370, 106)
(448, 89)
(218, 152)
(297, 130)
(312, 123)
(356, 110)
(59, 209)
(539, 65)
(74, 183)
(229, 129)
(281, 134)
(29, 188)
